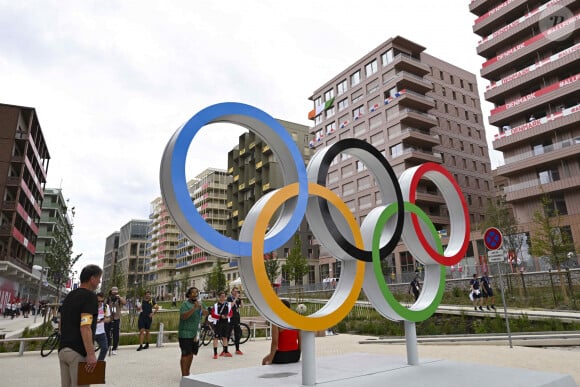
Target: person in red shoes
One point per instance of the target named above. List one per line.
(236, 303)
(221, 313)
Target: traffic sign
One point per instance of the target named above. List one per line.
(495, 256)
(492, 238)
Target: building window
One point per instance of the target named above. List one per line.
(461, 83)
(371, 68)
(318, 119)
(559, 204)
(454, 95)
(330, 128)
(396, 150)
(342, 87)
(329, 95)
(451, 79)
(441, 75)
(364, 202)
(358, 112)
(443, 92)
(318, 101)
(343, 104)
(549, 176)
(470, 86)
(355, 78)
(356, 96)
(330, 112)
(387, 57)
(348, 189)
(446, 108)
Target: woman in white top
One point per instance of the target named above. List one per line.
(103, 317)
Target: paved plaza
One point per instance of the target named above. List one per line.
(160, 366)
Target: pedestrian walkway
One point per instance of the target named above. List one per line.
(160, 366)
(10, 328)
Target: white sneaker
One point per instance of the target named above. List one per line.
(114, 352)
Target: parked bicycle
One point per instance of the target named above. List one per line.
(52, 342)
(208, 333)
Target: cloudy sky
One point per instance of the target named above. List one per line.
(111, 81)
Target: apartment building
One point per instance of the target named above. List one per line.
(53, 219)
(532, 62)
(175, 262)
(256, 171)
(110, 269)
(24, 159)
(125, 258)
(414, 108)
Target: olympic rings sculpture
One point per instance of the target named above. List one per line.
(359, 248)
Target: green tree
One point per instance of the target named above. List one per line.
(118, 279)
(498, 214)
(272, 266)
(216, 279)
(296, 263)
(549, 239)
(59, 256)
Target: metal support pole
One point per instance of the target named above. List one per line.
(308, 358)
(507, 321)
(37, 309)
(160, 336)
(411, 342)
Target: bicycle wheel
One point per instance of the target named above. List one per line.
(49, 344)
(206, 336)
(245, 336)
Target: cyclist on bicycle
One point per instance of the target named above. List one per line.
(236, 303)
(221, 314)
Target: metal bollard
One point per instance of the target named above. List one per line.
(160, 336)
(21, 349)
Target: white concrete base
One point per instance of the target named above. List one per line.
(362, 369)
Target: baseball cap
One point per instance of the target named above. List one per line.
(114, 289)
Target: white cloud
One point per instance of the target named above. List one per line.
(112, 81)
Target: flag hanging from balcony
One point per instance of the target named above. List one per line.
(320, 108)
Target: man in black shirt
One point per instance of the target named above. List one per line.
(78, 321)
(148, 307)
(235, 301)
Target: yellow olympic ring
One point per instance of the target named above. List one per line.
(326, 316)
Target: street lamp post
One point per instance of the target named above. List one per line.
(41, 269)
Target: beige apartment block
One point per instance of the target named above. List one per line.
(414, 108)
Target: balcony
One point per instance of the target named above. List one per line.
(516, 55)
(416, 137)
(561, 150)
(406, 80)
(404, 62)
(479, 7)
(518, 28)
(417, 155)
(555, 91)
(416, 101)
(417, 119)
(536, 188)
(553, 64)
(494, 19)
(522, 134)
